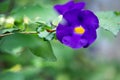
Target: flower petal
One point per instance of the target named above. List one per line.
(71, 17)
(84, 17)
(68, 6)
(63, 30)
(89, 18)
(72, 41)
(90, 36)
(79, 5)
(63, 8)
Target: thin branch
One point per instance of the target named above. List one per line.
(6, 34)
(51, 31)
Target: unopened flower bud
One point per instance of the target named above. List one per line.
(9, 23)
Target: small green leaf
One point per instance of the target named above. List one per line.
(109, 21)
(50, 36)
(43, 34)
(43, 27)
(2, 31)
(16, 43)
(57, 20)
(31, 27)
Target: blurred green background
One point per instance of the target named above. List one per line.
(101, 61)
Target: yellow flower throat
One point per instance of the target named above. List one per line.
(79, 30)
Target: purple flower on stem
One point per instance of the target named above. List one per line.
(79, 28)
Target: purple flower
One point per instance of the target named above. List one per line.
(79, 28)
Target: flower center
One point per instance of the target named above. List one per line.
(79, 30)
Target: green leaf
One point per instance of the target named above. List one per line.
(50, 36)
(44, 49)
(2, 31)
(31, 27)
(109, 21)
(17, 43)
(43, 34)
(11, 76)
(57, 20)
(42, 27)
(33, 12)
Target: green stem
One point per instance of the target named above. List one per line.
(7, 34)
